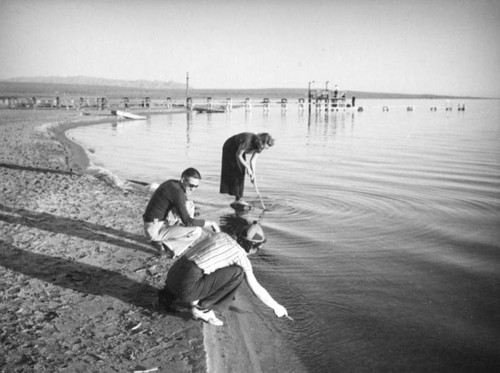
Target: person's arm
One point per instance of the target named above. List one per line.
(189, 221)
(187, 215)
(253, 164)
(263, 295)
(249, 165)
(241, 158)
(178, 200)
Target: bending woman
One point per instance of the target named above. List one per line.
(239, 156)
(208, 276)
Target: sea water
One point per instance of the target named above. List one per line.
(383, 225)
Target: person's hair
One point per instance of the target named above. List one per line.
(191, 172)
(248, 245)
(251, 238)
(257, 144)
(266, 139)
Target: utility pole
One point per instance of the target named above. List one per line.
(327, 106)
(309, 95)
(187, 84)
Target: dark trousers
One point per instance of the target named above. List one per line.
(214, 291)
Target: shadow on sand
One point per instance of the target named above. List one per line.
(36, 169)
(76, 228)
(80, 277)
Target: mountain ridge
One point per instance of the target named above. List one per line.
(96, 81)
(85, 86)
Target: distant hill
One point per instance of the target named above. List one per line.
(81, 86)
(86, 80)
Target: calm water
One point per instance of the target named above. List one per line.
(383, 227)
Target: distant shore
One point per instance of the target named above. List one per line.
(27, 89)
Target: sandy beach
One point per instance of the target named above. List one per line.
(78, 278)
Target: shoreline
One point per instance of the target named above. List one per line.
(236, 346)
(79, 155)
(80, 279)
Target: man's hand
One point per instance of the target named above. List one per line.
(213, 225)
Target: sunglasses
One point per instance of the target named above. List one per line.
(189, 185)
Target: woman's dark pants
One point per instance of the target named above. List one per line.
(214, 291)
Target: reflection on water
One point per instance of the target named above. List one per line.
(325, 126)
(382, 226)
(189, 124)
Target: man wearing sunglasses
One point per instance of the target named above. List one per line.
(207, 276)
(169, 221)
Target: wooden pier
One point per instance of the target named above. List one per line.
(318, 101)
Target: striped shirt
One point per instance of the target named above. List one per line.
(218, 251)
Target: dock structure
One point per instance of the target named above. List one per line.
(284, 104)
(248, 104)
(318, 101)
(301, 104)
(330, 100)
(265, 104)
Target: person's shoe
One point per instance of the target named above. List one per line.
(241, 203)
(205, 315)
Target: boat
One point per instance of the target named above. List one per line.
(209, 110)
(127, 115)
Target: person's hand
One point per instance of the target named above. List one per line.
(214, 226)
(280, 311)
(250, 175)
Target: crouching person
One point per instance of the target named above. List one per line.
(169, 221)
(209, 274)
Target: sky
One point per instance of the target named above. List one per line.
(449, 47)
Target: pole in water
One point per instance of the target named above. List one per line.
(257, 191)
(262, 202)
